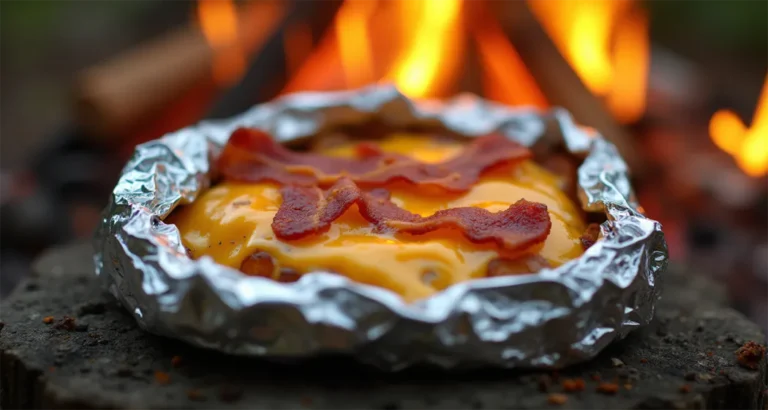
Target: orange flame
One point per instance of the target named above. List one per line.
(506, 78)
(354, 42)
(218, 21)
(418, 45)
(606, 42)
(748, 145)
(627, 97)
(432, 47)
(234, 34)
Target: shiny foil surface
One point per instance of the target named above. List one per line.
(550, 319)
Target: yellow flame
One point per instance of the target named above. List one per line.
(218, 22)
(748, 145)
(726, 130)
(606, 42)
(437, 31)
(416, 44)
(354, 41)
(626, 99)
(588, 46)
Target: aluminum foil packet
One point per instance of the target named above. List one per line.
(549, 319)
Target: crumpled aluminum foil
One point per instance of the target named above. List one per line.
(551, 319)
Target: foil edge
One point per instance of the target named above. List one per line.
(584, 305)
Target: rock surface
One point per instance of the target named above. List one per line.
(685, 359)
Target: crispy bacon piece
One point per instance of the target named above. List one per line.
(253, 156)
(590, 236)
(309, 210)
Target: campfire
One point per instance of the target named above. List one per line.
(594, 58)
(605, 42)
(145, 260)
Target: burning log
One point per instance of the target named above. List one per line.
(111, 98)
(269, 71)
(559, 82)
(119, 93)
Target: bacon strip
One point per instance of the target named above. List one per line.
(309, 210)
(253, 156)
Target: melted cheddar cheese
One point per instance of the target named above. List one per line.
(231, 221)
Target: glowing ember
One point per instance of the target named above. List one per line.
(606, 42)
(748, 145)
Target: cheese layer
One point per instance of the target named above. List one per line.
(231, 221)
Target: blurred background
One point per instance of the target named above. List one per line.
(679, 86)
